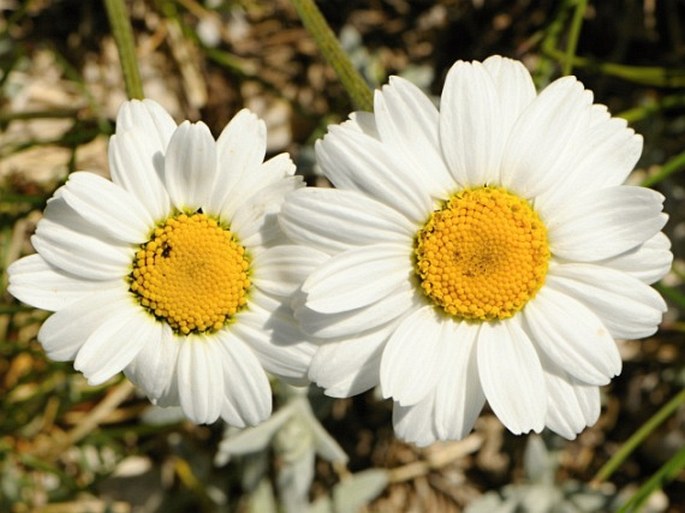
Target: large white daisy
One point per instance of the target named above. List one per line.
(176, 270)
(485, 251)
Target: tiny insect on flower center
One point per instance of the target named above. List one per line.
(483, 255)
(192, 273)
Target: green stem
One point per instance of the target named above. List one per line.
(646, 75)
(8, 197)
(638, 437)
(652, 107)
(574, 34)
(665, 474)
(674, 165)
(672, 294)
(7, 117)
(13, 308)
(352, 81)
(123, 36)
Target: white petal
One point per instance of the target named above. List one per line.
(604, 154)
(563, 412)
(65, 331)
(277, 170)
(136, 163)
(344, 324)
(352, 160)
(514, 87)
(275, 339)
(201, 378)
(136, 153)
(415, 423)
(604, 223)
(541, 142)
(148, 116)
(277, 167)
(231, 416)
(282, 269)
(589, 401)
(572, 336)
(459, 396)
(358, 277)
(407, 121)
(627, 307)
(247, 389)
(470, 130)
(108, 206)
(190, 166)
(350, 366)
(35, 282)
(614, 154)
(411, 358)
(67, 241)
(115, 343)
(256, 222)
(154, 367)
(240, 151)
(334, 220)
(511, 376)
(364, 123)
(571, 405)
(328, 160)
(648, 262)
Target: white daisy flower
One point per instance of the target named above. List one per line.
(176, 270)
(485, 251)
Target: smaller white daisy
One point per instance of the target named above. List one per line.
(175, 271)
(485, 251)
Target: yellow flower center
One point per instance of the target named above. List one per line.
(192, 273)
(483, 256)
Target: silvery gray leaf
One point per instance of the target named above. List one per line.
(254, 469)
(358, 490)
(251, 439)
(294, 480)
(539, 464)
(321, 505)
(295, 438)
(541, 499)
(262, 499)
(158, 416)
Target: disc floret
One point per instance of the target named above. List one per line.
(192, 274)
(483, 255)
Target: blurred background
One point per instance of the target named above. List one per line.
(67, 447)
